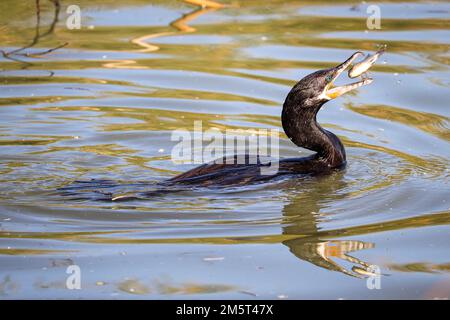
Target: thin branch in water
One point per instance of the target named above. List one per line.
(43, 52)
(55, 18)
(38, 35)
(6, 55)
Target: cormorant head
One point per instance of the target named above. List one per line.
(317, 88)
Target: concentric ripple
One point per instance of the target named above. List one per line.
(93, 119)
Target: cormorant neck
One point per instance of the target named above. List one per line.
(300, 125)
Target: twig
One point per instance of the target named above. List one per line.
(43, 52)
(38, 35)
(6, 55)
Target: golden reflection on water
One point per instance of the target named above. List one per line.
(20, 252)
(427, 122)
(181, 24)
(167, 287)
(244, 76)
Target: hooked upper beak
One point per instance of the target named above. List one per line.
(332, 92)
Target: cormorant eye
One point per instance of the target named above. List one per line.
(329, 78)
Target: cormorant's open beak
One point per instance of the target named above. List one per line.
(332, 92)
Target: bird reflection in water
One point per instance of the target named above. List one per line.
(303, 210)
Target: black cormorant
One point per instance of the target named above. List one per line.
(299, 123)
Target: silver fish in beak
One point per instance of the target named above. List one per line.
(362, 67)
(332, 92)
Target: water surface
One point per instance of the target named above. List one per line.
(105, 104)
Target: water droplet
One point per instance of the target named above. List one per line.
(213, 258)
